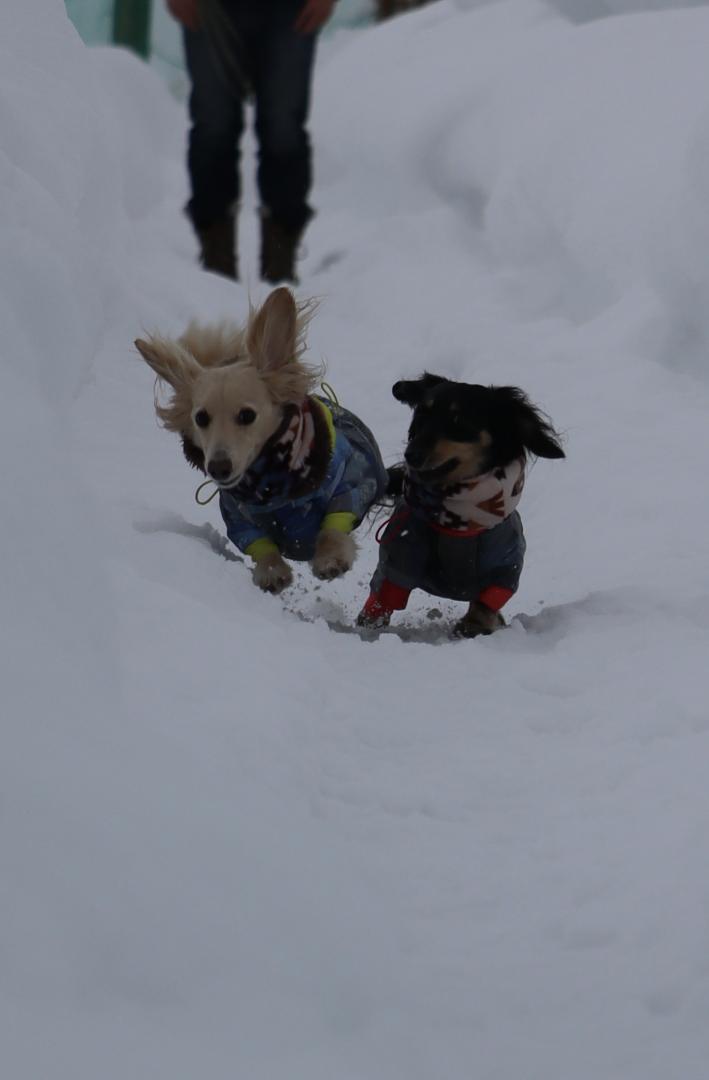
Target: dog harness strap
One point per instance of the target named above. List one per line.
(382, 534)
(495, 597)
(474, 530)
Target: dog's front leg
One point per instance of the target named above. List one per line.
(334, 554)
(271, 572)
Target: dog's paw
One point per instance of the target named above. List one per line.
(367, 620)
(272, 574)
(478, 620)
(334, 554)
(374, 615)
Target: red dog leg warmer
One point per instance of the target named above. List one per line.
(495, 597)
(389, 598)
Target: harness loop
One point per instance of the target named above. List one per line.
(204, 484)
(402, 516)
(330, 393)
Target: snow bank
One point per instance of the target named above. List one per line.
(594, 155)
(56, 181)
(238, 842)
(577, 154)
(68, 198)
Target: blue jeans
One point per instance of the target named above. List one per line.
(269, 60)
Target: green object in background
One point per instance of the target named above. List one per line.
(131, 25)
(103, 22)
(93, 19)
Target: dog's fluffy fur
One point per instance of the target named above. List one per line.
(229, 385)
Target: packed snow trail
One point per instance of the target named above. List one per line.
(236, 843)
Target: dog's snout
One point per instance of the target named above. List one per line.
(219, 467)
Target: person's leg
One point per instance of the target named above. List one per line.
(283, 64)
(216, 113)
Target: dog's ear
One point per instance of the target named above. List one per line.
(272, 333)
(533, 429)
(412, 391)
(193, 454)
(168, 360)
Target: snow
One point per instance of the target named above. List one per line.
(237, 842)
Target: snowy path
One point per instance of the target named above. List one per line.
(237, 843)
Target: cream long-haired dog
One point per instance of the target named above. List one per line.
(296, 474)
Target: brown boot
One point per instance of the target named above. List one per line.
(218, 243)
(279, 248)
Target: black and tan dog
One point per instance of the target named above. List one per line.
(455, 531)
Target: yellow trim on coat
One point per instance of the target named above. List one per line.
(257, 549)
(340, 521)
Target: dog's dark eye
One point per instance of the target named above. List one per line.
(202, 418)
(245, 417)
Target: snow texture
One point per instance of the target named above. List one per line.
(237, 839)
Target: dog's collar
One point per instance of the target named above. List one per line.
(468, 507)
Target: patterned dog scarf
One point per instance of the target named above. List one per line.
(289, 465)
(283, 469)
(468, 507)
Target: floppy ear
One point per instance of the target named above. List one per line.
(168, 360)
(193, 454)
(535, 432)
(272, 333)
(412, 391)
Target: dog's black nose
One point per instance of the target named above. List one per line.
(219, 468)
